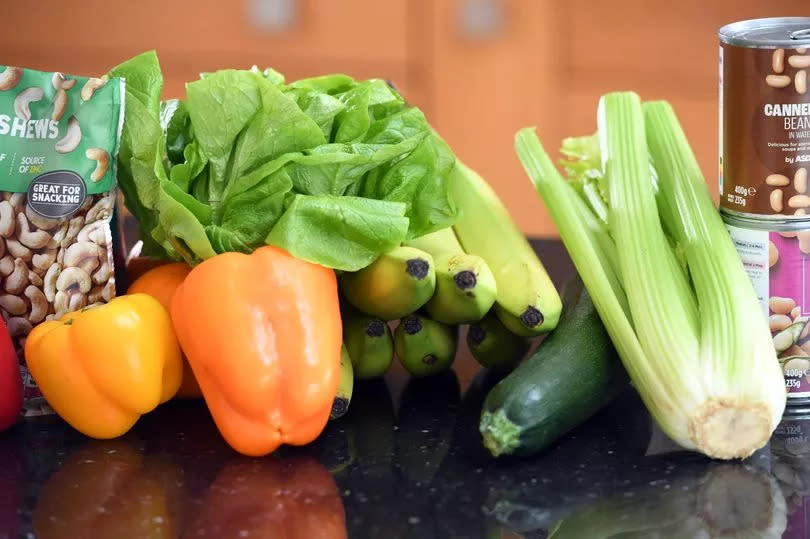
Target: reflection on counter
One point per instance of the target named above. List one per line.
(293, 498)
(790, 447)
(702, 500)
(120, 489)
(405, 462)
(111, 489)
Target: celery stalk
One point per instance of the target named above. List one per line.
(737, 365)
(666, 280)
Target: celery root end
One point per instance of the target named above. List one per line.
(726, 429)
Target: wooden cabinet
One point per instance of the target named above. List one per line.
(545, 63)
(553, 60)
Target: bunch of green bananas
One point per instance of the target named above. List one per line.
(481, 272)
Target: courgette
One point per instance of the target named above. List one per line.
(572, 375)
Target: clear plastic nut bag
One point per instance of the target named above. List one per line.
(59, 140)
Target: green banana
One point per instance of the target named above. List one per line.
(494, 346)
(345, 387)
(424, 346)
(370, 344)
(396, 284)
(465, 286)
(527, 302)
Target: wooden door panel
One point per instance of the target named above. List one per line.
(355, 29)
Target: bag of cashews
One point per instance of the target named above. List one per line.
(59, 140)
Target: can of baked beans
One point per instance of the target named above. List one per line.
(765, 118)
(776, 256)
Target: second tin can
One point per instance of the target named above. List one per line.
(776, 256)
(765, 117)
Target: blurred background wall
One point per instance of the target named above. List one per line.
(480, 69)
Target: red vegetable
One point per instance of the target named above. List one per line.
(10, 381)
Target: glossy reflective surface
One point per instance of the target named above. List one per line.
(405, 462)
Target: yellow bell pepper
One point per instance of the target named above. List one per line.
(103, 367)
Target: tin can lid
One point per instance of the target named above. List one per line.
(771, 33)
(761, 222)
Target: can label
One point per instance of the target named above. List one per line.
(765, 131)
(778, 264)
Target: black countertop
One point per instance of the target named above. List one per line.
(406, 462)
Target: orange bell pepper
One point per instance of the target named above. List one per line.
(161, 283)
(111, 490)
(294, 499)
(101, 368)
(262, 333)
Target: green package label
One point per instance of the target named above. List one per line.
(59, 142)
(59, 136)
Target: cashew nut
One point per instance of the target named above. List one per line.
(95, 294)
(10, 78)
(49, 282)
(102, 159)
(90, 88)
(6, 265)
(60, 303)
(24, 99)
(17, 201)
(108, 292)
(69, 84)
(102, 275)
(95, 232)
(57, 79)
(74, 278)
(74, 227)
(18, 250)
(59, 104)
(39, 304)
(100, 210)
(60, 256)
(88, 201)
(14, 305)
(76, 302)
(19, 326)
(6, 219)
(18, 278)
(35, 279)
(59, 235)
(72, 137)
(42, 261)
(33, 239)
(42, 223)
(82, 254)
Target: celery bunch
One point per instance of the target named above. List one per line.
(663, 273)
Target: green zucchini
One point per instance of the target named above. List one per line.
(572, 375)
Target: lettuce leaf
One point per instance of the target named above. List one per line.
(169, 228)
(345, 233)
(333, 170)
